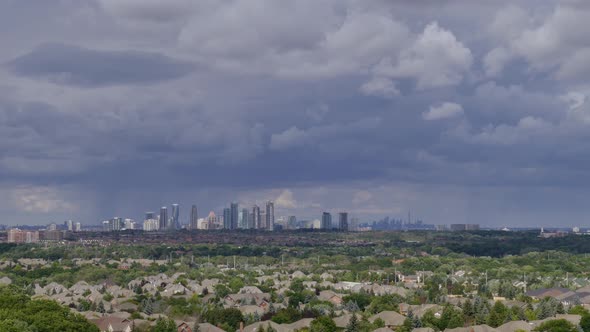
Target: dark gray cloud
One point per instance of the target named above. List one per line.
(376, 107)
(74, 65)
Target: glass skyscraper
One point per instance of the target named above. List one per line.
(194, 222)
(234, 216)
(163, 217)
(175, 224)
(270, 216)
(227, 218)
(326, 221)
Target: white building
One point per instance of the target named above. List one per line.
(150, 225)
(129, 224)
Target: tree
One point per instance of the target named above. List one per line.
(286, 316)
(379, 323)
(19, 313)
(148, 307)
(235, 284)
(498, 315)
(100, 307)
(556, 325)
(361, 299)
(219, 316)
(322, 324)
(15, 325)
(221, 290)
(164, 325)
(467, 307)
(585, 322)
(353, 324)
(450, 318)
(406, 326)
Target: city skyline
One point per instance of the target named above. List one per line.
(108, 108)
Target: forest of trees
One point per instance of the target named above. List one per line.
(19, 313)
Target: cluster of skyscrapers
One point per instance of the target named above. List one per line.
(118, 224)
(233, 218)
(326, 222)
(254, 218)
(163, 222)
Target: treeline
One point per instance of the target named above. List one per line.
(19, 313)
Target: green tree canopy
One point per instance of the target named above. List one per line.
(556, 325)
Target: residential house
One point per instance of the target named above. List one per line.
(113, 324)
(392, 319)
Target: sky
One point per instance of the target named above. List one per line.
(459, 111)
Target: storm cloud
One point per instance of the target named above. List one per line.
(459, 111)
(73, 65)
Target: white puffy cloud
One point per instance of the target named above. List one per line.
(443, 111)
(286, 200)
(435, 59)
(380, 86)
(41, 200)
(290, 138)
(554, 42)
(574, 99)
(526, 130)
(332, 42)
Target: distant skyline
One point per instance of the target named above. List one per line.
(460, 111)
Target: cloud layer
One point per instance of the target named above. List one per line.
(374, 107)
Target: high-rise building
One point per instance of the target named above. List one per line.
(129, 223)
(202, 223)
(69, 225)
(233, 216)
(255, 222)
(343, 221)
(175, 224)
(52, 227)
(292, 222)
(150, 215)
(251, 224)
(262, 219)
(227, 218)
(212, 221)
(243, 223)
(464, 227)
(116, 224)
(326, 221)
(163, 218)
(354, 224)
(194, 222)
(150, 225)
(16, 235)
(270, 216)
(77, 227)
